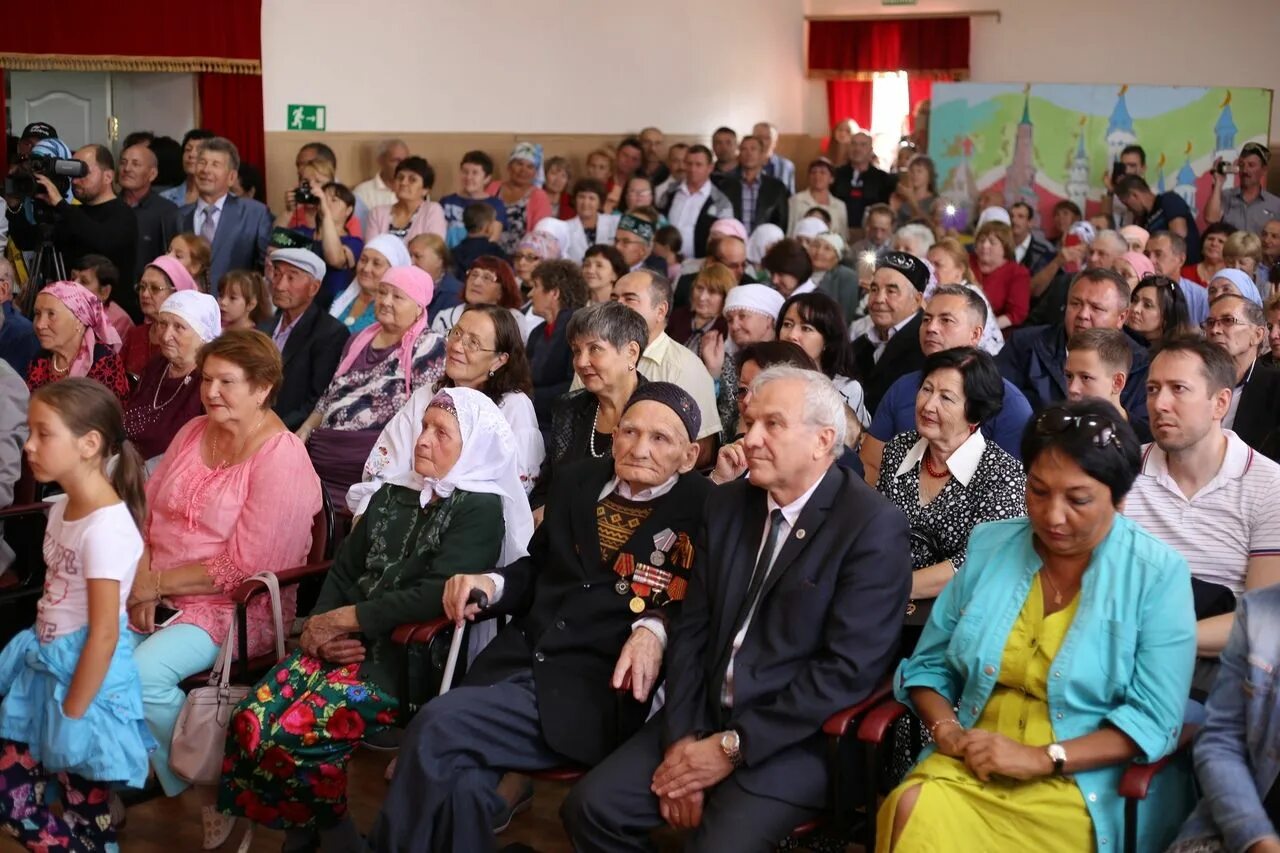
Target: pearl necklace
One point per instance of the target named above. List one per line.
(53, 363)
(591, 442)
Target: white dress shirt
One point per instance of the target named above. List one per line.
(790, 515)
(873, 335)
(685, 208)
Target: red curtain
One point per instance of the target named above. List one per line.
(918, 89)
(231, 106)
(923, 45)
(849, 99)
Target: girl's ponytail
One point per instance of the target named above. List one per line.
(129, 480)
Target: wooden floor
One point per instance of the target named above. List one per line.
(173, 826)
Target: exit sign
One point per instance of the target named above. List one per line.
(305, 117)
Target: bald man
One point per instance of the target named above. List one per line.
(158, 219)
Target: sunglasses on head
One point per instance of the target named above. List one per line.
(1058, 420)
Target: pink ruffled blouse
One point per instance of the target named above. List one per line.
(237, 520)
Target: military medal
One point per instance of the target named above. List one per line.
(622, 587)
(662, 543)
(637, 605)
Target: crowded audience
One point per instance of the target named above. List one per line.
(720, 447)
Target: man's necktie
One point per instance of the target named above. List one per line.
(210, 225)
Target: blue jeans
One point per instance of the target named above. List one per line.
(164, 659)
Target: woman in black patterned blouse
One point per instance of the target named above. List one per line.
(945, 476)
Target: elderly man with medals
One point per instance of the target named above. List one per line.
(570, 677)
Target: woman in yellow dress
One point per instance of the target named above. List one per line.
(1060, 653)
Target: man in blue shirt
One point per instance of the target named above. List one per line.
(953, 317)
(474, 174)
(1164, 212)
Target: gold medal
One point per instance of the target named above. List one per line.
(637, 605)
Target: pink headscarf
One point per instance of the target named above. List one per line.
(1141, 264)
(729, 228)
(177, 273)
(86, 308)
(419, 287)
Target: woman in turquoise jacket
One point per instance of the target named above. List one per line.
(1062, 652)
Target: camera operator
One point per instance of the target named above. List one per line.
(102, 224)
(158, 218)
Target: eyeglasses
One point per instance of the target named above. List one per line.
(525, 256)
(1058, 420)
(1227, 323)
(482, 275)
(153, 289)
(470, 343)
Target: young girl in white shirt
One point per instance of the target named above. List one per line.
(70, 698)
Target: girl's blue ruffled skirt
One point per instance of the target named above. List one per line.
(110, 743)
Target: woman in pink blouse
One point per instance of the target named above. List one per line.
(234, 496)
(414, 212)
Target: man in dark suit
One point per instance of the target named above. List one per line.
(605, 576)
(158, 218)
(756, 197)
(1033, 252)
(1239, 327)
(310, 341)
(891, 347)
(238, 229)
(859, 183)
(1034, 357)
(793, 615)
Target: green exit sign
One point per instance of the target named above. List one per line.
(305, 117)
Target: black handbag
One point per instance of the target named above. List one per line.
(925, 551)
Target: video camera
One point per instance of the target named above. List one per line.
(22, 182)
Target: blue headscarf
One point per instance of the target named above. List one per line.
(532, 152)
(1243, 282)
(51, 147)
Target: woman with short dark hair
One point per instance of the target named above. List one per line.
(558, 290)
(789, 267)
(602, 265)
(1005, 282)
(1060, 654)
(414, 212)
(591, 226)
(944, 475)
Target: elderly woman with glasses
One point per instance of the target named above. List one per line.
(1060, 654)
(162, 276)
(489, 281)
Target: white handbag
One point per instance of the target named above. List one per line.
(199, 738)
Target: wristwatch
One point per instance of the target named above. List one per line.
(1058, 756)
(731, 744)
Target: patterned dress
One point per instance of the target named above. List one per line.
(289, 741)
(107, 368)
(514, 230)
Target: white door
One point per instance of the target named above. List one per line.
(75, 103)
(163, 103)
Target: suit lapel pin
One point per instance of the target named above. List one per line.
(800, 533)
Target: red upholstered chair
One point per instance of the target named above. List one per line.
(1134, 785)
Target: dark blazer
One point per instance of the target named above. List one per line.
(841, 284)
(1258, 413)
(311, 355)
(874, 187)
(901, 356)
(824, 634)
(551, 365)
(240, 243)
(1033, 359)
(570, 621)
(1038, 254)
(771, 200)
(158, 223)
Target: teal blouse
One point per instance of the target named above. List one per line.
(1125, 662)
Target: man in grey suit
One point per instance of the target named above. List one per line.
(239, 229)
(793, 615)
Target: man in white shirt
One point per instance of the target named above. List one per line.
(606, 572)
(377, 191)
(794, 615)
(696, 203)
(1203, 491)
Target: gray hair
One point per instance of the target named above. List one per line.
(972, 300)
(1251, 310)
(222, 145)
(823, 405)
(1117, 239)
(920, 236)
(387, 144)
(611, 322)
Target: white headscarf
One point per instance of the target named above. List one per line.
(198, 310)
(390, 247)
(761, 240)
(555, 228)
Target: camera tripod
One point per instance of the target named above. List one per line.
(48, 266)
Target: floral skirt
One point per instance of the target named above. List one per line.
(288, 744)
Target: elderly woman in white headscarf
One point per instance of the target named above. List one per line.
(461, 510)
(380, 367)
(168, 392)
(355, 306)
(761, 241)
